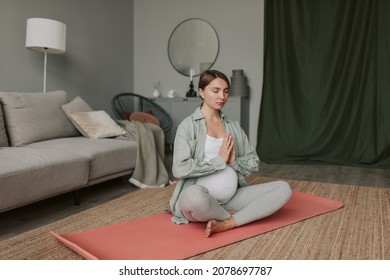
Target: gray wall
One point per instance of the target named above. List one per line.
(239, 24)
(99, 57)
(121, 45)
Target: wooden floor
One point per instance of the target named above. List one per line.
(25, 218)
(334, 174)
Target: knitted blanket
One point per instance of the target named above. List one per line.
(149, 171)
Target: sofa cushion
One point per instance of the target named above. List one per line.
(144, 118)
(76, 105)
(28, 174)
(32, 117)
(96, 124)
(107, 156)
(3, 134)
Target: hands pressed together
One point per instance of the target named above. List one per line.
(227, 150)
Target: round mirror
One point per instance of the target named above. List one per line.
(193, 45)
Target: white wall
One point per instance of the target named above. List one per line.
(239, 24)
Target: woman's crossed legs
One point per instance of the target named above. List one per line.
(249, 204)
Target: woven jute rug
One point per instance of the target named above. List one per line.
(360, 230)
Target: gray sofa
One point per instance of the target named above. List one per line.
(44, 152)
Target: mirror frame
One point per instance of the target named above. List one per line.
(187, 73)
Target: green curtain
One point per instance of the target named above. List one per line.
(326, 91)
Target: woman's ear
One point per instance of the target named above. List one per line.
(200, 93)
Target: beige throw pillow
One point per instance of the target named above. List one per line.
(76, 105)
(96, 124)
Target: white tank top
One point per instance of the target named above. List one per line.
(223, 184)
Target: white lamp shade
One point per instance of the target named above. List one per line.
(46, 35)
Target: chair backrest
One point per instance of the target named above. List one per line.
(123, 104)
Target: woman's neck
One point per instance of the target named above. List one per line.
(214, 125)
(210, 114)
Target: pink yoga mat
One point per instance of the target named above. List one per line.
(157, 238)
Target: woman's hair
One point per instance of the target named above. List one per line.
(209, 75)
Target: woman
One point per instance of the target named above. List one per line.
(212, 156)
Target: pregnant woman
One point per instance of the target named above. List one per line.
(212, 156)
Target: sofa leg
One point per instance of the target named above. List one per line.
(77, 197)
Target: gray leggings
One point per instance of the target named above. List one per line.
(251, 203)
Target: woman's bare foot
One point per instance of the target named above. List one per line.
(214, 226)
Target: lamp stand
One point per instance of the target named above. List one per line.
(44, 70)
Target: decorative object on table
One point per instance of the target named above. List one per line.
(47, 36)
(239, 84)
(156, 92)
(171, 93)
(191, 92)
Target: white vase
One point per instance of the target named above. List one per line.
(156, 93)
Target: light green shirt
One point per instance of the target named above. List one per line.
(188, 163)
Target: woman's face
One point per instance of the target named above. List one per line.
(215, 94)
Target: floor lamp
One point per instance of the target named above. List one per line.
(47, 36)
